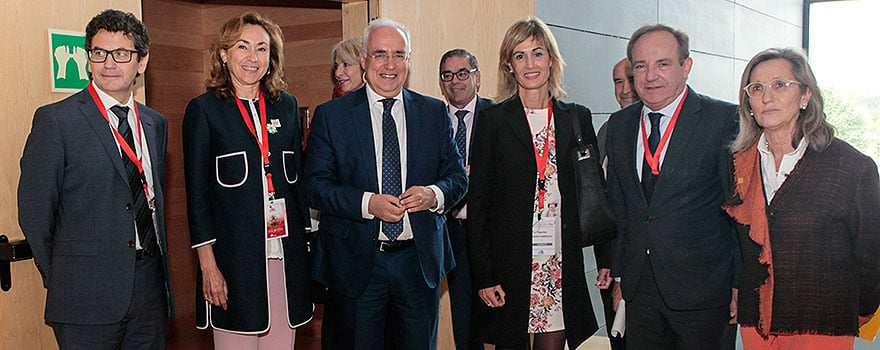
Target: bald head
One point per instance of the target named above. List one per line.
(624, 91)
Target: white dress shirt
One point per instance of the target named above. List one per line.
(469, 125)
(398, 112)
(772, 177)
(667, 112)
(141, 148)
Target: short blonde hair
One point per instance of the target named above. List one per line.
(348, 50)
(522, 30)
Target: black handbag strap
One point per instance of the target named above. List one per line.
(582, 149)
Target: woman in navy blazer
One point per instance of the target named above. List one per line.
(252, 288)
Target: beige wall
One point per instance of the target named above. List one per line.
(438, 26)
(26, 85)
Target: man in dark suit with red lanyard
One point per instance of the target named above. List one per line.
(382, 167)
(668, 163)
(460, 81)
(90, 200)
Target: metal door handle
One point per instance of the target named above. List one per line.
(11, 251)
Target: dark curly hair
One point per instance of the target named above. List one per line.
(117, 21)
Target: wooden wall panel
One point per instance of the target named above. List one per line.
(27, 77)
(176, 74)
(438, 26)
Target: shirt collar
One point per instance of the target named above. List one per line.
(470, 107)
(374, 97)
(669, 110)
(109, 101)
(764, 147)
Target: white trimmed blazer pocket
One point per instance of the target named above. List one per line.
(289, 159)
(231, 169)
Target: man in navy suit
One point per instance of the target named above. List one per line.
(90, 200)
(460, 81)
(668, 163)
(382, 167)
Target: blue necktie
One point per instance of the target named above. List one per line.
(461, 135)
(136, 181)
(649, 179)
(390, 165)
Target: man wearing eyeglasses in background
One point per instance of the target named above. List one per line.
(459, 81)
(383, 169)
(90, 200)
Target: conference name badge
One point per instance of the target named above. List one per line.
(276, 219)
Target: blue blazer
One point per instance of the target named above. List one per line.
(340, 166)
(72, 200)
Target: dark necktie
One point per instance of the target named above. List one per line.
(649, 179)
(461, 135)
(390, 165)
(136, 181)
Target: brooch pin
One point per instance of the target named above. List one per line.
(273, 125)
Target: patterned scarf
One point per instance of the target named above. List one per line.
(752, 213)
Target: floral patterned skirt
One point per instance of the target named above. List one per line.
(545, 306)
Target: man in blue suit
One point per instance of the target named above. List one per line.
(459, 81)
(90, 200)
(382, 166)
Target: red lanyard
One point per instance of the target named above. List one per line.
(541, 158)
(126, 149)
(654, 159)
(264, 146)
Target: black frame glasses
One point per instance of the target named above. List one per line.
(462, 74)
(99, 55)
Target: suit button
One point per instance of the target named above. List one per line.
(131, 243)
(649, 219)
(128, 206)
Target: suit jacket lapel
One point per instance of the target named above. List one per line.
(363, 129)
(676, 153)
(564, 130)
(148, 122)
(517, 122)
(482, 104)
(102, 131)
(413, 131)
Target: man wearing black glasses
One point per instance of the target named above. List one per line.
(459, 81)
(91, 203)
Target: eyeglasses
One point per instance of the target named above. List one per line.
(384, 56)
(756, 89)
(462, 74)
(119, 55)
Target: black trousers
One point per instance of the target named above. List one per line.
(144, 326)
(461, 290)
(650, 324)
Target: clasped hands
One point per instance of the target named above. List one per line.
(389, 208)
